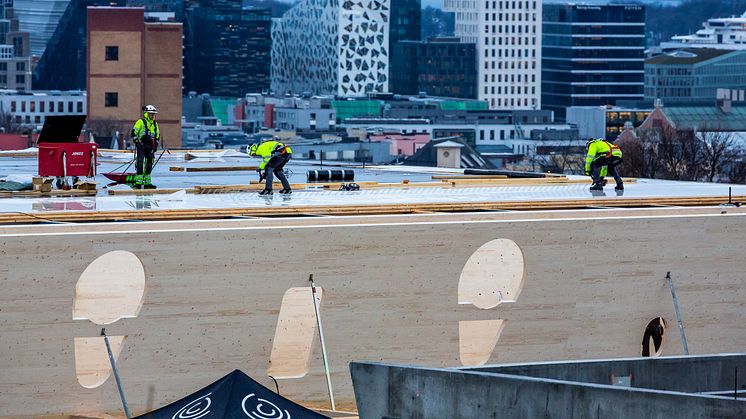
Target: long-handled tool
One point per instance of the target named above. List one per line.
(678, 313)
(116, 374)
(323, 345)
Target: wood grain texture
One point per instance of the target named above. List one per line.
(390, 294)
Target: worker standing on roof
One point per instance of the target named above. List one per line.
(146, 136)
(602, 153)
(275, 156)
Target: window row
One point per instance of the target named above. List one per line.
(45, 106)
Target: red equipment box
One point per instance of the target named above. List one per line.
(60, 153)
(67, 159)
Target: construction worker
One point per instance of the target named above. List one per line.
(601, 155)
(146, 136)
(275, 156)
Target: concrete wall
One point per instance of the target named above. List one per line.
(390, 391)
(686, 374)
(592, 281)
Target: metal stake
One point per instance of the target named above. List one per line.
(116, 374)
(323, 345)
(678, 313)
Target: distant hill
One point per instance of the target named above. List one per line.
(663, 22)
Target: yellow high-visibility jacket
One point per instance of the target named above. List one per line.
(146, 126)
(267, 149)
(601, 149)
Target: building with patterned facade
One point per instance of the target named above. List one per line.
(332, 47)
(508, 38)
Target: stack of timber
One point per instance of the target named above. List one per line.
(388, 209)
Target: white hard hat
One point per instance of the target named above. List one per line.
(150, 109)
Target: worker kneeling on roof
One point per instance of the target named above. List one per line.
(145, 135)
(275, 156)
(601, 155)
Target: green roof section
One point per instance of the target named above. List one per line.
(220, 109)
(457, 105)
(707, 117)
(357, 108)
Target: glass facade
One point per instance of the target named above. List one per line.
(689, 79)
(227, 49)
(438, 67)
(591, 55)
(63, 64)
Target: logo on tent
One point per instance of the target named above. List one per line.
(195, 409)
(263, 409)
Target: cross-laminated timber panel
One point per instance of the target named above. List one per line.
(214, 289)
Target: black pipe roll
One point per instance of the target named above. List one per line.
(331, 175)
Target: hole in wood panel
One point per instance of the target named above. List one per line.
(92, 366)
(494, 274)
(477, 340)
(295, 334)
(112, 287)
(652, 338)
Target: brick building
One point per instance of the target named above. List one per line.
(132, 63)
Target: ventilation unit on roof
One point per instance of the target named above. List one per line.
(683, 54)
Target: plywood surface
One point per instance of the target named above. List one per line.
(214, 292)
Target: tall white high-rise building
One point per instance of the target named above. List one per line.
(508, 38)
(40, 19)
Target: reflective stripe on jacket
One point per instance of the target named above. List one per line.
(601, 149)
(146, 126)
(267, 149)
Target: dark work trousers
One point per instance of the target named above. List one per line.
(145, 155)
(612, 162)
(654, 332)
(275, 165)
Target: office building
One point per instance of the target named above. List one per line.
(63, 64)
(507, 34)
(694, 74)
(717, 33)
(439, 67)
(227, 50)
(133, 63)
(605, 121)
(39, 18)
(16, 63)
(28, 109)
(405, 21)
(592, 55)
(325, 47)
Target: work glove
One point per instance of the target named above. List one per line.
(262, 174)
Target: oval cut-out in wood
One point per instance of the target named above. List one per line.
(92, 365)
(294, 334)
(477, 340)
(494, 274)
(112, 287)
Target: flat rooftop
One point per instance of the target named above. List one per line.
(382, 191)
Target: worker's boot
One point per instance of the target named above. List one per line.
(148, 182)
(139, 181)
(619, 186)
(597, 186)
(266, 192)
(286, 191)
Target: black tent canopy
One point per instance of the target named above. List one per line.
(232, 397)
